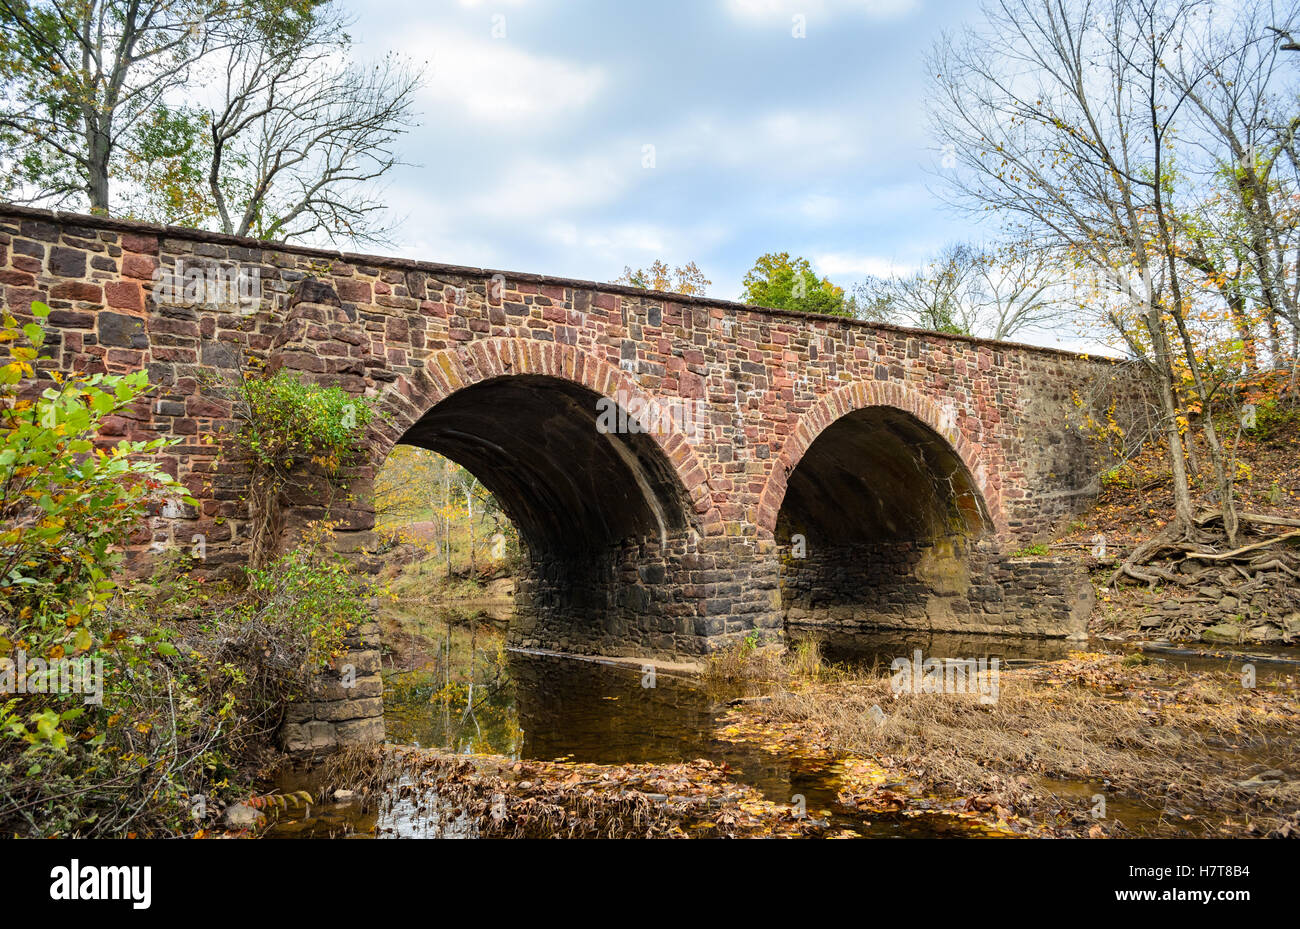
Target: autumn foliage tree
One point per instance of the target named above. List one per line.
(417, 486)
(685, 279)
(776, 280)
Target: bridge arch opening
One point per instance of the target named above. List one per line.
(602, 515)
(877, 526)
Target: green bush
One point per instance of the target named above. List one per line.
(1276, 419)
(67, 505)
(1038, 550)
(266, 646)
(290, 422)
(288, 427)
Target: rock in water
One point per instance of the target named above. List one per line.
(241, 816)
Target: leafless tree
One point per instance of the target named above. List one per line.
(929, 298)
(993, 291)
(301, 135)
(1058, 120)
(1014, 289)
(1244, 99)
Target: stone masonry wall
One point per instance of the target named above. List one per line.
(941, 586)
(647, 599)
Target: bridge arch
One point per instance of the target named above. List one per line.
(878, 506)
(450, 371)
(608, 518)
(985, 482)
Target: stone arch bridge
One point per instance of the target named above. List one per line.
(682, 470)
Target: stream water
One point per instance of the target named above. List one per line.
(456, 687)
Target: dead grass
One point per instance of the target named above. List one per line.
(751, 662)
(1161, 736)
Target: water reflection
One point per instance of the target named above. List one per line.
(457, 693)
(880, 647)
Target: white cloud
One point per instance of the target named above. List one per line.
(496, 81)
(609, 239)
(785, 143)
(835, 264)
(764, 11)
(821, 208)
(614, 244)
(532, 188)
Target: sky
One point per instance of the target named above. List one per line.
(574, 137)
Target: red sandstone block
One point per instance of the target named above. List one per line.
(20, 278)
(147, 244)
(113, 426)
(124, 358)
(124, 295)
(139, 266)
(77, 290)
(206, 408)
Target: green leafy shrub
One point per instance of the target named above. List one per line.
(67, 506)
(290, 426)
(292, 621)
(1276, 418)
(192, 680)
(1120, 477)
(1038, 550)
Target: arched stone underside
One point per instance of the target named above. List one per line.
(945, 423)
(884, 523)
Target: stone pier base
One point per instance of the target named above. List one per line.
(690, 596)
(939, 587)
(346, 703)
(693, 596)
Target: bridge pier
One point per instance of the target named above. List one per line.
(345, 705)
(688, 596)
(950, 585)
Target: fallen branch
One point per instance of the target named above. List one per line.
(1238, 552)
(1259, 518)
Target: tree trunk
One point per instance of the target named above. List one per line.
(469, 507)
(1165, 389)
(97, 151)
